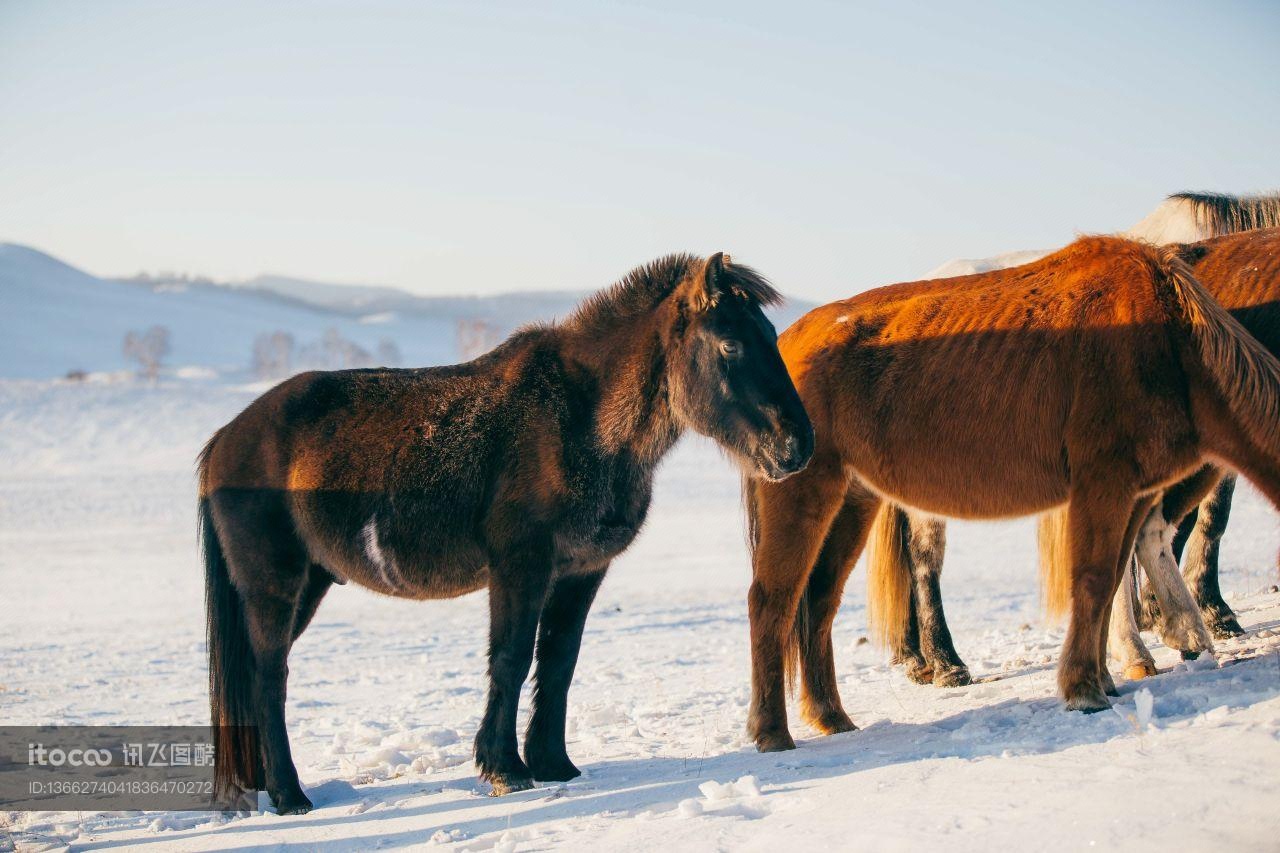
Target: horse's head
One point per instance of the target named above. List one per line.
(726, 377)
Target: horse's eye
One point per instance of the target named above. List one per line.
(731, 348)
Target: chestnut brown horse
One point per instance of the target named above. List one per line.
(905, 555)
(525, 471)
(1093, 377)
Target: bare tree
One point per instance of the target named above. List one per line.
(388, 353)
(334, 352)
(476, 337)
(273, 355)
(148, 349)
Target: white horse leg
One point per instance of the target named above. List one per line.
(1180, 624)
(1126, 642)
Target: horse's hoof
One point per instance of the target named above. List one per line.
(833, 723)
(293, 803)
(1140, 670)
(1089, 700)
(504, 784)
(920, 673)
(775, 742)
(1108, 684)
(1186, 633)
(1224, 628)
(557, 769)
(1186, 655)
(952, 676)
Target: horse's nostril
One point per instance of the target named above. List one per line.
(790, 455)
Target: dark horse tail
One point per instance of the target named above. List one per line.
(796, 646)
(237, 759)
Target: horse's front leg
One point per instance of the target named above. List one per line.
(791, 521)
(559, 638)
(517, 588)
(1103, 519)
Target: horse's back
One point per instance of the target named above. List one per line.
(1008, 366)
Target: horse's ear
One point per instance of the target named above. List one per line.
(706, 292)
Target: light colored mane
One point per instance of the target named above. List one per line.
(1186, 217)
(1191, 217)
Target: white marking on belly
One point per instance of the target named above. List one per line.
(843, 318)
(386, 567)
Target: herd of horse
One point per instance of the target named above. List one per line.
(1108, 386)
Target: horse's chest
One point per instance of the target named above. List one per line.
(602, 518)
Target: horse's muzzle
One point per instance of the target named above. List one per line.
(786, 455)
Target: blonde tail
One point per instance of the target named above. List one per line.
(1055, 563)
(889, 577)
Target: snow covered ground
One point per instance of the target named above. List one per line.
(102, 623)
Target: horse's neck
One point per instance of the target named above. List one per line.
(633, 413)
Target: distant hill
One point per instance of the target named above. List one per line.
(363, 300)
(55, 318)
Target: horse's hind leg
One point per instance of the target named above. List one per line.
(1125, 639)
(894, 566)
(1124, 569)
(518, 581)
(905, 651)
(819, 697)
(1101, 520)
(559, 639)
(1179, 622)
(318, 582)
(926, 544)
(270, 571)
(1201, 567)
(792, 519)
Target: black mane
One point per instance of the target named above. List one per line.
(646, 286)
(1228, 214)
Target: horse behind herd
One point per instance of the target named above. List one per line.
(1087, 383)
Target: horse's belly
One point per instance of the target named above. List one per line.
(386, 552)
(406, 575)
(971, 486)
(437, 582)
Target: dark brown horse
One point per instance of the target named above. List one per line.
(1095, 378)
(525, 471)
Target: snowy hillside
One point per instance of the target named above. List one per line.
(969, 266)
(55, 318)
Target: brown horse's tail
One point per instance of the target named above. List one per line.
(889, 577)
(1055, 563)
(796, 644)
(1241, 370)
(237, 761)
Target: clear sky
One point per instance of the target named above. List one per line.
(481, 147)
